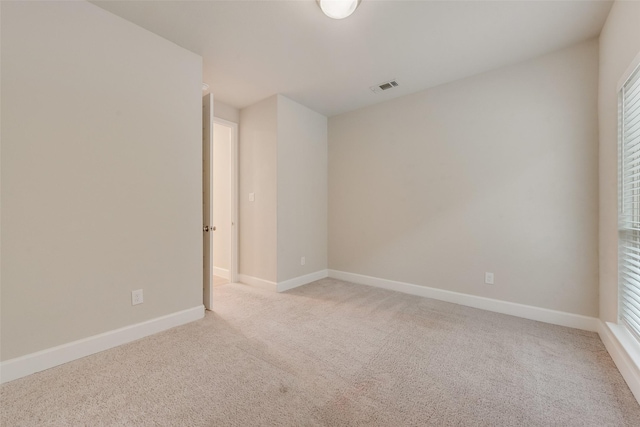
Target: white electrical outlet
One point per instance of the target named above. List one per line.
(252, 197)
(303, 261)
(136, 297)
(488, 278)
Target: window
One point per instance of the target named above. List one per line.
(629, 203)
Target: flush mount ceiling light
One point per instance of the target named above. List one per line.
(338, 9)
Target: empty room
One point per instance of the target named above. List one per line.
(320, 213)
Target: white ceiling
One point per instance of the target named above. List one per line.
(254, 49)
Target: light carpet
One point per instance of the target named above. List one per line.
(335, 354)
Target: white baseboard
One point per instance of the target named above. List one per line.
(625, 352)
(221, 272)
(285, 285)
(257, 282)
(35, 362)
(302, 280)
(514, 309)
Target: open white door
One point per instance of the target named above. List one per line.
(207, 211)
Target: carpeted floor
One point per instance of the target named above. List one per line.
(335, 354)
(219, 281)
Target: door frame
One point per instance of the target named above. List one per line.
(233, 196)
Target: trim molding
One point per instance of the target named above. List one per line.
(221, 272)
(514, 309)
(22, 366)
(302, 280)
(257, 282)
(624, 351)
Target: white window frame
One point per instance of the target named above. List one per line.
(624, 229)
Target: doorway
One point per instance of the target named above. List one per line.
(219, 206)
(224, 201)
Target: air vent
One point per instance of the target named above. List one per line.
(384, 86)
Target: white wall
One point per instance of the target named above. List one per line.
(222, 196)
(101, 174)
(302, 190)
(619, 44)
(257, 160)
(498, 173)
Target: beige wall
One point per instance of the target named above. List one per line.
(495, 173)
(258, 174)
(101, 175)
(283, 160)
(226, 112)
(619, 44)
(222, 196)
(302, 190)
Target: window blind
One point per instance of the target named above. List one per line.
(629, 203)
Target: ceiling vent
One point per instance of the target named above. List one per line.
(384, 86)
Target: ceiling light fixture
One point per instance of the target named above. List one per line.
(338, 9)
